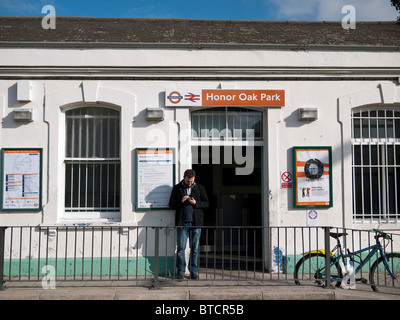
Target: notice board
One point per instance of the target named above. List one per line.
(312, 176)
(155, 177)
(21, 179)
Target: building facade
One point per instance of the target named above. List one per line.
(118, 109)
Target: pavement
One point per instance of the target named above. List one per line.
(184, 291)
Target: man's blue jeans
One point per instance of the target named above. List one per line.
(183, 233)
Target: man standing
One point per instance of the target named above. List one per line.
(188, 199)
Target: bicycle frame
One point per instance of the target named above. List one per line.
(374, 249)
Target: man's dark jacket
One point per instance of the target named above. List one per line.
(175, 202)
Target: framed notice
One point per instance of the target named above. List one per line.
(312, 181)
(21, 179)
(155, 177)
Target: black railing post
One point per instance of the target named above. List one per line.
(327, 258)
(2, 239)
(156, 282)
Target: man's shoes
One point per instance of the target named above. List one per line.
(179, 277)
(194, 276)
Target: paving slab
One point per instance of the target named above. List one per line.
(185, 292)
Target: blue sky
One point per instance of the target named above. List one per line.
(310, 10)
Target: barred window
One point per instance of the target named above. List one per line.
(227, 123)
(92, 160)
(376, 165)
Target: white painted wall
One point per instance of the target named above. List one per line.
(334, 100)
(337, 81)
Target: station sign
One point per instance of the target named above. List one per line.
(222, 97)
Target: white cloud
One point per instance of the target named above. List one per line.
(328, 10)
(23, 7)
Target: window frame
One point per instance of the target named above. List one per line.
(220, 135)
(91, 214)
(375, 165)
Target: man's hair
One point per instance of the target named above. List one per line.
(190, 173)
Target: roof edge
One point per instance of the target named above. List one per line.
(198, 46)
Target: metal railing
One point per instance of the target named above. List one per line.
(146, 255)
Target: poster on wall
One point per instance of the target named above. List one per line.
(21, 179)
(312, 176)
(155, 177)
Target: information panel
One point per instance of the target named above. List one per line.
(155, 177)
(21, 179)
(313, 176)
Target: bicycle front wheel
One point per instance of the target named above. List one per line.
(311, 270)
(381, 279)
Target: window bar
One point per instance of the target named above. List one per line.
(72, 151)
(87, 120)
(370, 163)
(80, 137)
(383, 169)
(353, 169)
(101, 137)
(93, 184)
(386, 188)
(108, 142)
(86, 186)
(108, 186)
(101, 186)
(395, 171)
(79, 187)
(115, 188)
(72, 183)
(378, 147)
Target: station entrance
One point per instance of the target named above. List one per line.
(232, 235)
(227, 155)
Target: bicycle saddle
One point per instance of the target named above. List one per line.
(337, 235)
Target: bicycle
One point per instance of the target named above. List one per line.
(384, 274)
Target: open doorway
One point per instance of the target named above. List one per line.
(235, 215)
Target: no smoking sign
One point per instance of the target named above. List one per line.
(286, 180)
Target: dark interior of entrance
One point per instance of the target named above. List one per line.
(232, 233)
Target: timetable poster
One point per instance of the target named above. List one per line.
(313, 177)
(21, 179)
(155, 178)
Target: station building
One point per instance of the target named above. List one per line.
(285, 123)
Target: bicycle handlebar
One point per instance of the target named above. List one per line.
(382, 234)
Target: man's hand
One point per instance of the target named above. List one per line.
(188, 198)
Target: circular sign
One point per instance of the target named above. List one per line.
(312, 214)
(313, 169)
(175, 97)
(286, 177)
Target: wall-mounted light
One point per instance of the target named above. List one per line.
(23, 114)
(308, 114)
(154, 114)
(24, 90)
